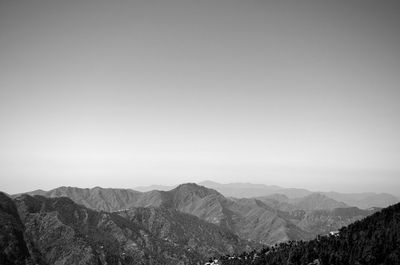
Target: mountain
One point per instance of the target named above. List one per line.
(246, 190)
(154, 187)
(317, 201)
(39, 230)
(104, 199)
(241, 190)
(249, 190)
(279, 202)
(321, 222)
(316, 213)
(373, 240)
(364, 200)
(314, 201)
(252, 219)
(248, 218)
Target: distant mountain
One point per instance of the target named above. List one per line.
(246, 190)
(103, 199)
(154, 187)
(364, 200)
(39, 230)
(322, 222)
(316, 213)
(241, 190)
(373, 240)
(314, 201)
(317, 201)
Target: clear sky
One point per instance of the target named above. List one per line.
(128, 93)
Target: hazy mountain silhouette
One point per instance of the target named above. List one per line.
(154, 187)
(246, 190)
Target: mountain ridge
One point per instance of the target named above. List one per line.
(264, 220)
(361, 200)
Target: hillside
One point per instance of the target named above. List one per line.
(373, 240)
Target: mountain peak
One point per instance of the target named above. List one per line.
(193, 188)
(318, 201)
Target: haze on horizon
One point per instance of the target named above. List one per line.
(123, 94)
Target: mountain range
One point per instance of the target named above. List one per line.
(363, 200)
(182, 225)
(267, 220)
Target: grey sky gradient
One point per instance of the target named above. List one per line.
(129, 93)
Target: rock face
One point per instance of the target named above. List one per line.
(39, 230)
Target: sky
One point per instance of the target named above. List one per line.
(128, 93)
